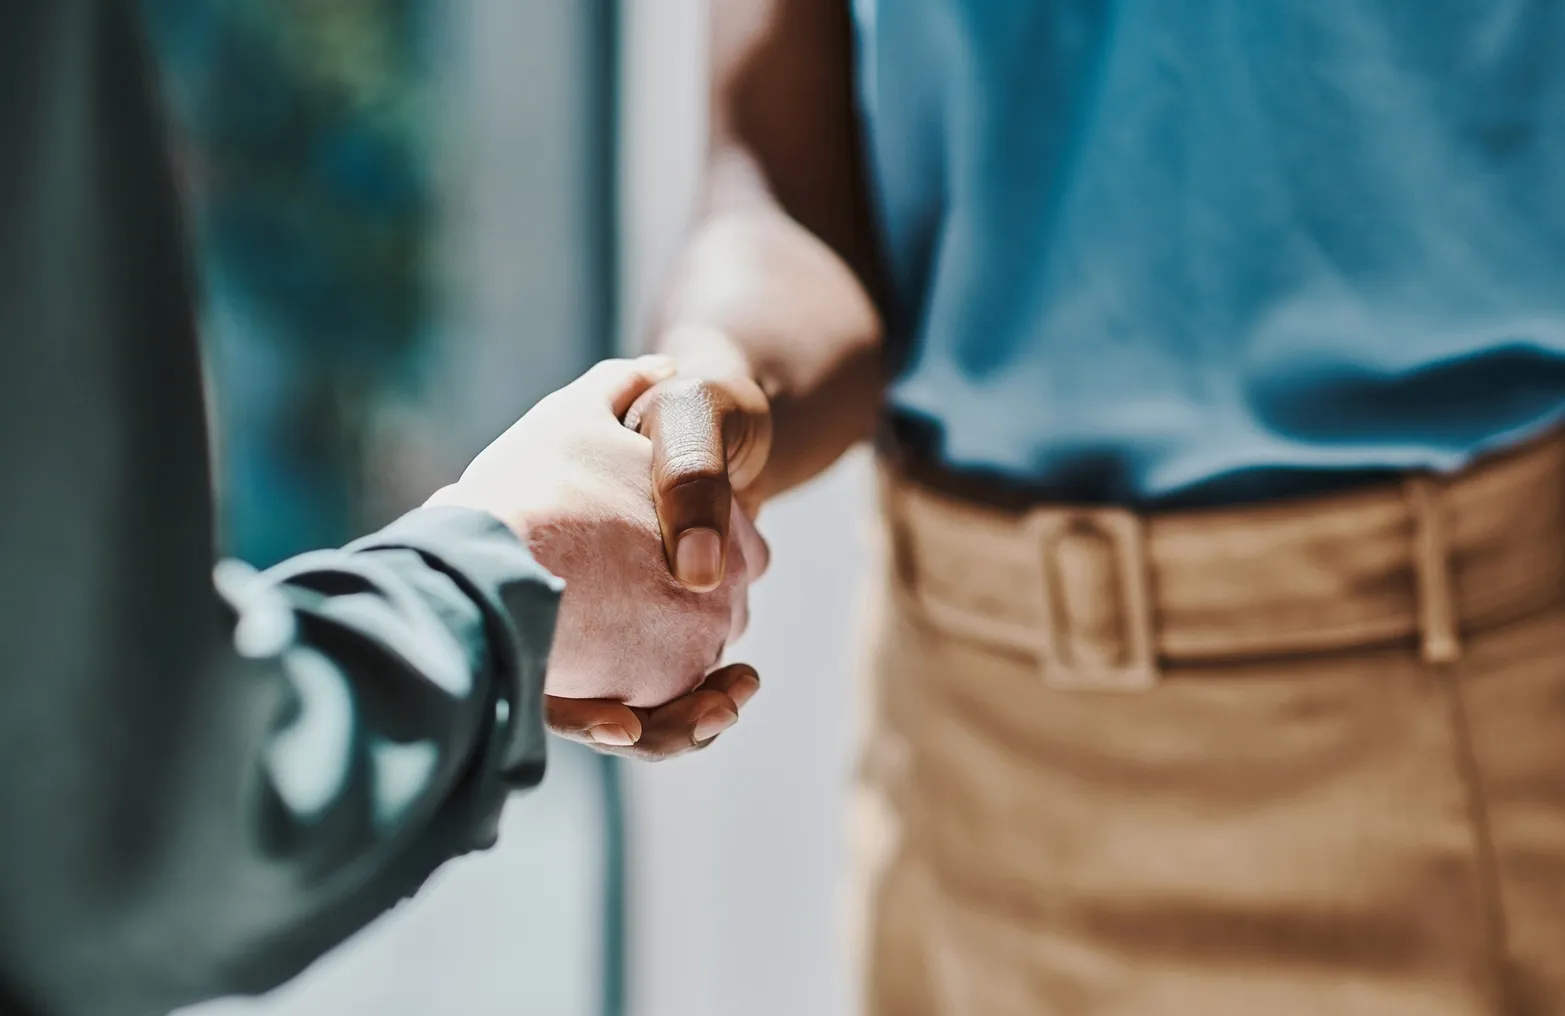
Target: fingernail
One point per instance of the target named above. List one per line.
(698, 559)
(744, 689)
(612, 735)
(714, 723)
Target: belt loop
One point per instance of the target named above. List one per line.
(1437, 623)
(1135, 663)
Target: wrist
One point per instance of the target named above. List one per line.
(523, 520)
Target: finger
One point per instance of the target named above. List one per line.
(673, 733)
(738, 616)
(693, 721)
(697, 718)
(688, 722)
(738, 681)
(595, 722)
(749, 500)
(619, 383)
(685, 421)
(757, 554)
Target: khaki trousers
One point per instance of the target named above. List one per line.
(1293, 760)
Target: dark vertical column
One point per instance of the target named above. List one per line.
(604, 70)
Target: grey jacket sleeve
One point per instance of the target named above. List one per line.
(204, 785)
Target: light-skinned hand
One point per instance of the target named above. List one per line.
(632, 666)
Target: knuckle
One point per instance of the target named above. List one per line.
(690, 400)
(687, 464)
(686, 388)
(693, 439)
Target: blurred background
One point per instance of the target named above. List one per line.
(414, 218)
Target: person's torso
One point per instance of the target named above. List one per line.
(1145, 251)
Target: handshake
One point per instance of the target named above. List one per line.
(630, 484)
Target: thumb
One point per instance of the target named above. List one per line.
(619, 383)
(685, 420)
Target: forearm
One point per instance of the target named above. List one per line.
(780, 276)
(246, 807)
(758, 295)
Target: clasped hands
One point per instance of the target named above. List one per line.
(630, 484)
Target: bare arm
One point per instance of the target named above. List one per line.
(772, 301)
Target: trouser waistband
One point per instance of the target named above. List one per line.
(1115, 596)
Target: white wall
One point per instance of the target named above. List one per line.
(737, 852)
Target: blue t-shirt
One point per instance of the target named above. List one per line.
(1146, 250)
